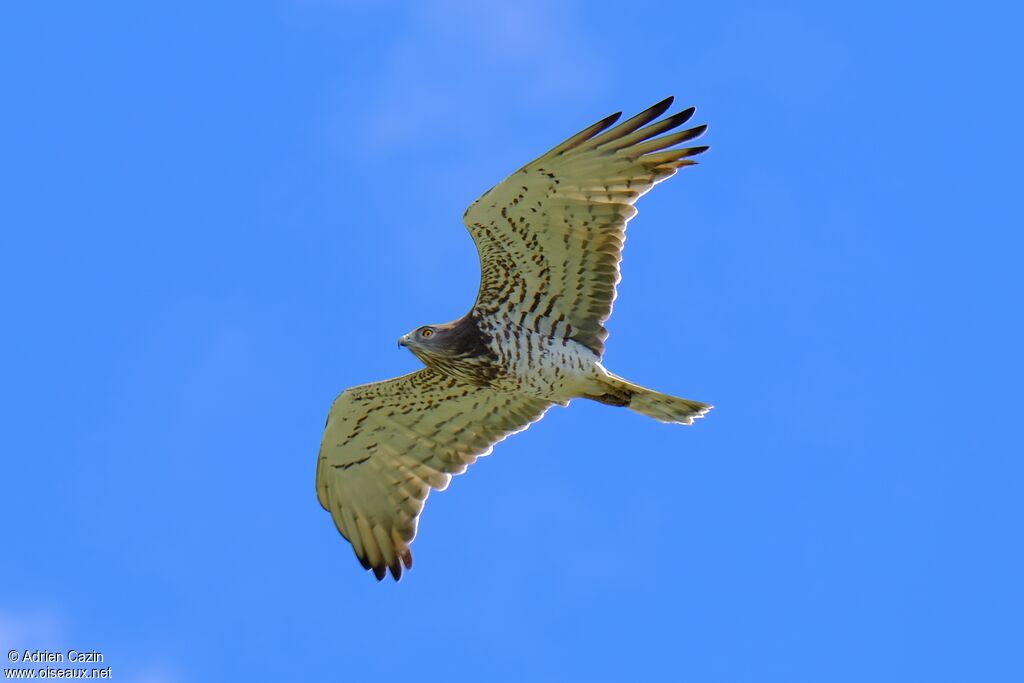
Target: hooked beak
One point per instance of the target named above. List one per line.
(403, 340)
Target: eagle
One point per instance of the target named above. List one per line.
(550, 240)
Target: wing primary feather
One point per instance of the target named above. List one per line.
(632, 124)
(353, 536)
(673, 155)
(401, 548)
(694, 151)
(650, 131)
(373, 554)
(582, 136)
(663, 142)
(387, 550)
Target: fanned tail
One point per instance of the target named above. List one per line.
(662, 407)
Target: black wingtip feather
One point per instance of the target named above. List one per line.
(696, 131)
(631, 125)
(669, 122)
(609, 120)
(676, 120)
(661, 107)
(581, 137)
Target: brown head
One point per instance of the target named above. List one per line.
(454, 347)
(428, 341)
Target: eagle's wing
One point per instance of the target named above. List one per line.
(387, 444)
(550, 236)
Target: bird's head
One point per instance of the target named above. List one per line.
(427, 336)
(427, 341)
(441, 344)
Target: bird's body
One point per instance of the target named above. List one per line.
(555, 370)
(517, 360)
(550, 239)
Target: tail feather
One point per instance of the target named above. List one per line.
(662, 407)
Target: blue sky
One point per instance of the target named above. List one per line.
(216, 216)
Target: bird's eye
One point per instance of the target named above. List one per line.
(427, 333)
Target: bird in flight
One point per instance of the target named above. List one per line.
(550, 240)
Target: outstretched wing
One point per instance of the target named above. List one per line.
(387, 444)
(550, 236)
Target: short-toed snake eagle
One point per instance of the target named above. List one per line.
(550, 240)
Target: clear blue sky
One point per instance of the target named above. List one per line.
(216, 216)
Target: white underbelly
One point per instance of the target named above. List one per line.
(552, 369)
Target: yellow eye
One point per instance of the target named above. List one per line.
(427, 333)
